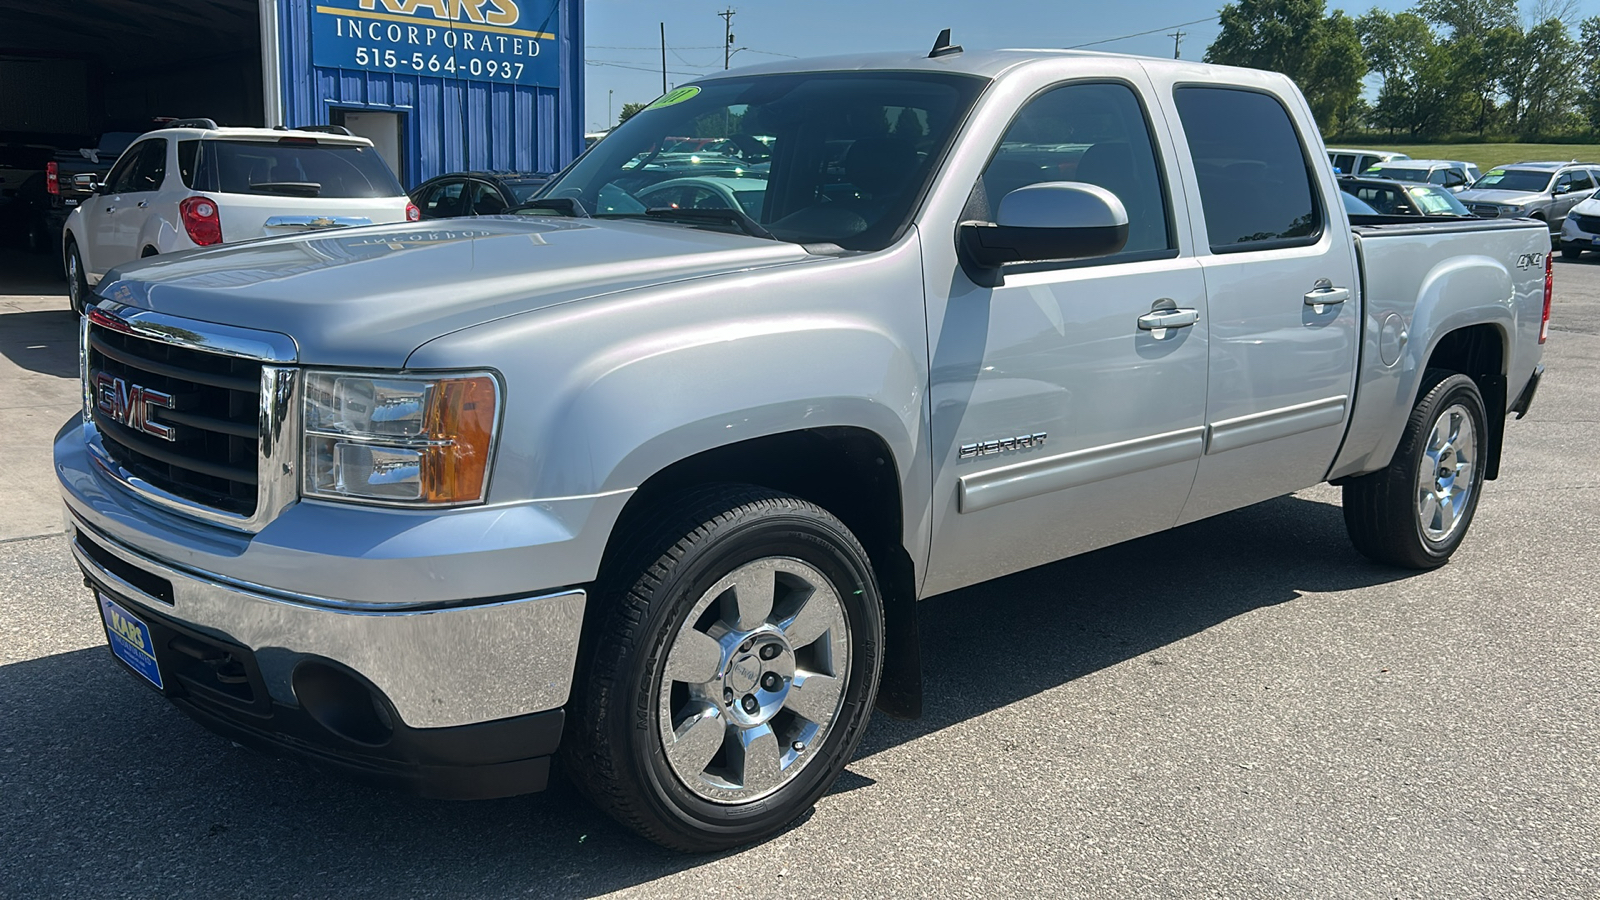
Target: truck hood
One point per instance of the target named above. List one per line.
(1505, 198)
(369, 296)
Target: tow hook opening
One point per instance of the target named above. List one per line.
(343, 703)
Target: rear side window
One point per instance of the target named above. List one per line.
(1580, 180)
(294, 168)
(1255, 183)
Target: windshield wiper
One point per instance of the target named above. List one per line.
(720, 216)
(563, 206)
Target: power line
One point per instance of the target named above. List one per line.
(1141, 33)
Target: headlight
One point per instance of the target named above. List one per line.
(399, 439)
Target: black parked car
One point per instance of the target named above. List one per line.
(1402, 198)
(475, 193)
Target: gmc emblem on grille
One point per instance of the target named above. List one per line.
(131, 405)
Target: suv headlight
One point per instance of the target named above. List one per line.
(405, 440)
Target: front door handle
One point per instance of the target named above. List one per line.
(143, 203)
(1158, 321)
(1325, 295)
(111, 209)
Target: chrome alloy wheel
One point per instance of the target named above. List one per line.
(754, 680)
(74, 283)
(1448, 474)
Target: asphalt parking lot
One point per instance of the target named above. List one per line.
(1260, 713)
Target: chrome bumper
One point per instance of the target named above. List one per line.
(438, 667)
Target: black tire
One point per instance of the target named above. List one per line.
(147, 252)
(1381, 510)
(77, 281)
(1570, 252)
(677, 553)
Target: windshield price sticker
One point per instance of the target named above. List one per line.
(508, 41)
(674, 97)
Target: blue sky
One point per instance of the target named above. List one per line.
(624, 43)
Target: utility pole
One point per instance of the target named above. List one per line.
(663, 58)
(727, 35)
(611, 120)
(1177, 38)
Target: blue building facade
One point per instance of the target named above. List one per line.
(439, 85)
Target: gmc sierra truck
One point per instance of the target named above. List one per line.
(657, 488)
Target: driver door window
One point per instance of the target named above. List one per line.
(486, 199)
(1090, 133)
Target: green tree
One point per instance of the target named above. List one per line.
(1589, 46)
(629, 110)
(1549, 58)
(1480, 33)
(1321, 53)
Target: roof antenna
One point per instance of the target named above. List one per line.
(942, 46)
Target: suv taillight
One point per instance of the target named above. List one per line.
(52, 178)
(1549, 287)
(412, 213)
(201, 220)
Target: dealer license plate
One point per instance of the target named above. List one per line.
(130, 640)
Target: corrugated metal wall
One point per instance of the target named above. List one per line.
(449, 124)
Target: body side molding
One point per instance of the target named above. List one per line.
(982, 490)
(1258, 428)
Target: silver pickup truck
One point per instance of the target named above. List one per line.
(657, 487)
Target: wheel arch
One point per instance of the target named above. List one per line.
(1479, 352)
(849, 471)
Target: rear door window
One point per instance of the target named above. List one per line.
(1256, 186)
(1345, 163)
(1580, 180)
(145, 170)
(486, 199)
(294, 167)
(443, 200)
(1092, 133)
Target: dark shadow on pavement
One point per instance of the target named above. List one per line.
(107, 790)
(24, 274)
(44, 341)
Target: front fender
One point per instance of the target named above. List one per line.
(602, 393)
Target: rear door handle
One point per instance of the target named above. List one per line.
(1325, 294)
(1158, 321)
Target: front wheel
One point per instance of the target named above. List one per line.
(1571, 252)
(1415, 513)
(735, 672)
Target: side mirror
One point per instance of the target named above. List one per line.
(1563, 189)
(1048, 222)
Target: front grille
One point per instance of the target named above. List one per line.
(1587, 224)
(215, 419)
(1484, 211)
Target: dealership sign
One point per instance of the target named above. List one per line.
(509, 41)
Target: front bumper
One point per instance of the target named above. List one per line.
(344, 688)
(1573, 237)
(447, 689)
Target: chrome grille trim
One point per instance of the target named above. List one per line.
(277, 451)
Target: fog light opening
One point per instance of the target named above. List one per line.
(342, 703)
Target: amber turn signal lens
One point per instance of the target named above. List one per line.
(461, 416)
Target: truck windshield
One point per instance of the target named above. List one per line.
(840, 158)
(1530, 181)
(293, 167)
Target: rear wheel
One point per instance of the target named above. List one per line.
(77, 281)
(733, 676)
(1416, 512)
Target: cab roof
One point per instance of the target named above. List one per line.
(258, 134)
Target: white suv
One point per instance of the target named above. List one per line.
(193, 184)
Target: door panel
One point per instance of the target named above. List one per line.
(1281, 289)
(1059, 423)
(121, 212)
